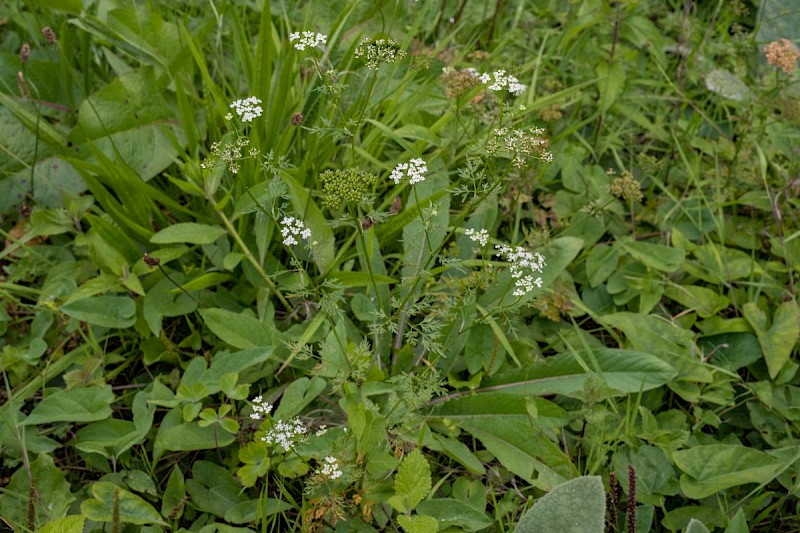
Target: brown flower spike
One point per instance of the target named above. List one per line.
(782, 54)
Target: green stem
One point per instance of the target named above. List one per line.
(250, 257)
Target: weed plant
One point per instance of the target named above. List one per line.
(343, 265)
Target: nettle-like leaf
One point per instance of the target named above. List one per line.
(577, 506)
(412, 482)
(68, 524)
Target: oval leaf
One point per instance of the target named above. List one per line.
(132, 509)
(188, 232)
(577, 506)
(710, 469)
(106, 311)
(73, 405)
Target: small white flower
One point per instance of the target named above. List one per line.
(321, 431)
(499, 80)
(414, 170)
(247, 109)
(309, 39)
(260, 408)
(523, 265)
(330, 469)
(286, 434)
(481, 236)
(292, 228)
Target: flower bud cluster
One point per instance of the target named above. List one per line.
(524, 267)
(626, 187)
(782, 54)
(414, 170)
(375, 51)
(308, 39)
(229, 153)
(349, 185)
(521, 144)
(459, 82)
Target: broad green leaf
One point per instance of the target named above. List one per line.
(412, 482)
(213, 489)
(456, 450)
(240, 330)
(132, 508)
(253, 510)
(696, 526)
(577, 506)
(705, 301)
(255, 457)
(777, 341)
(128, 119)
(512, 409)
(361, 279)
(68, 524)
(51, 485)
(777, 19)
(601, 262)
(161, 301)
(450, 512)
(721, 264)
(109, 435)
(106, 311)
(73, 7)
(174, 493)
(297, 395)
(728, 85)
(625, 371)
(84, 404)
(731, 350)
(188, 437)
(610, 84)
(738, 524)
(210, 279)
(657, 256)
(418, 524)
(188, 232)
(712, 468)
(524, 450)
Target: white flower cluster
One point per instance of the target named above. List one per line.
(524, 266)
(481, 236)
(414, 169)
(286, 434)
(248, 108)
(499, 80)
(292, 228)
(260, 408)
(308, 39)
(330, 469)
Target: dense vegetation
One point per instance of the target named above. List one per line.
(348, 265)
